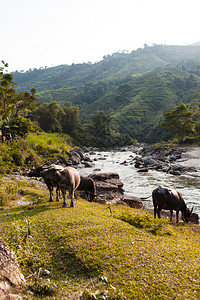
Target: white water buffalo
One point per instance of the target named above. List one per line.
(37, 172)
(170, 199)
(67, 179)
(87, 185)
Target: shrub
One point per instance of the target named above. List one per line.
(4, 198)
(18, 157)
(145, 221)
(32, 159)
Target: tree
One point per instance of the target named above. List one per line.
(70, 120)
(101, 124)
(12, 103)
(49, 116)
(179, 121)
(14, 128)
(14, 107)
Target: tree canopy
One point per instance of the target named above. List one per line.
(179, 121)
(14, 106)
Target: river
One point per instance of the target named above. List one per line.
(142, 184)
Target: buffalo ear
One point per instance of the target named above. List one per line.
(192, 209)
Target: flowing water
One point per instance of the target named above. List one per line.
(142, 184)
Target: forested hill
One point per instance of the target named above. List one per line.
(136, 88)
(138, 105)
(115, 69)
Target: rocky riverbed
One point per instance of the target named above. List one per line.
(134, 172)
(179, 168)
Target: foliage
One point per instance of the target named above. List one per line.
(53, 118)
(33, 151)
(100, 133)
(146, 221)
(49, 116)
(70, 120)
(179, 121)
(14, 107)
(137, 107)
(15, 128)
(13, 103)
(14, 188)
(89, 253)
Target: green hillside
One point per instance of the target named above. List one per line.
(137, 88)
(114, 68)
(138, 105)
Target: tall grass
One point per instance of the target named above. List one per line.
(36, 149)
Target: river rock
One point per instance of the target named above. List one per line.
(161, 159)
(109, 189)
(133, 201)
(10, 274)
(88, 164)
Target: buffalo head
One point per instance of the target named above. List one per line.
(186, 215)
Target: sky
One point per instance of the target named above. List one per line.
(47, 33)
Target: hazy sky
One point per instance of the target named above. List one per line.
(38, 33)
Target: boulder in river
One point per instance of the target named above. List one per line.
(109, 189)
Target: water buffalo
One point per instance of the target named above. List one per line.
(37, 172)
(87, 185)
(67, 179)
(170, 199)
(194, 218)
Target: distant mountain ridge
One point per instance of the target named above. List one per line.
(137, 88)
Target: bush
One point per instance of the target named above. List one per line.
(191, 140)
(4, 198)
(18, 157)
(145, 221)
(33, 159)
(33, 151)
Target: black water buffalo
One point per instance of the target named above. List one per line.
(87, 185)
(170, 199)
(194, 218)
(51, 184)
(68, 179)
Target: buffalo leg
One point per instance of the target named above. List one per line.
(64, 198)
(159, 212)
(71, 194)
(171, 215)
(58, 193)
(50, 188)
(177, 216)
(155, 211)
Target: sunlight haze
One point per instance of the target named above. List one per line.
(39, 33)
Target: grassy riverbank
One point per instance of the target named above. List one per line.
(118, 252)
(34, 150)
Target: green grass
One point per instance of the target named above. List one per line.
(91, 252)
(33, 151)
